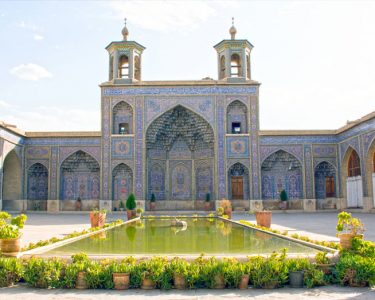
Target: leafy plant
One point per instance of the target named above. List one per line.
(226, 204)
(321, 258)
(130, 202)
(283, 195)
(220, 211)
(347, 224)
(208, 197)
(153, 198)
(121, 205)
(96, 211)
(11, 271)
(10, 227)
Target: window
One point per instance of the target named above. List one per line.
(123, 128)
(235, 66)
(354, 168)
(222, 67)
(124, 67)
(236, 127)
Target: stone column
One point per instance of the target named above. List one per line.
(227, 63)
(243, 63)
(115, 65)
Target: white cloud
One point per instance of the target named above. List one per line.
(38, 37)
(30, 72)
(29, 26)
(166, 15)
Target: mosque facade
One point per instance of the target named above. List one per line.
(183, 142)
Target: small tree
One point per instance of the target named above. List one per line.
(130, 202)
(283, 195)
(208, 197)
(153, 197)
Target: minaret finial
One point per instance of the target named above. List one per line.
(233, 30)
(125, 31)
(232, 21)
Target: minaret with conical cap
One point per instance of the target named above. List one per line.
(125, 59)
(234, 58)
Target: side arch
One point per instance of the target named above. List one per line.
(237, 117)
(12, 182)
(370, 173)
(238, 182)
(122, 118)
(325, 180)
(37, 187)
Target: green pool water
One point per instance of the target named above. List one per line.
(202, 235)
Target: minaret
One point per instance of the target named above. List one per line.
(233, 58)
(125, 59)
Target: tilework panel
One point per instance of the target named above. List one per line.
(127, 99)
(287, 140)
(30, 162)
(106, 132)
(332, 161)
(368, 139)
(156, 106)
(220, 148)
(180, 90)
(308, 173)
(237, 147)
(37, 152)
(67, 151)
(243, 99)
(266, 151)
(122, 147)
(363, 127)
(53, 175)
(324, 150)
(181, 180)
(63, 141)
(349, 143)
(139, 151)
(254, 127)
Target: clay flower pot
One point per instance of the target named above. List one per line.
(152, 205)
(10, 247)
(81, 283)
(131, 214)
(264, 218)
(179, 281)
(121, 281)
(219, 282)
(244, 283)
(148, 284)
(346, 239)
(326, 268)
(97, 219)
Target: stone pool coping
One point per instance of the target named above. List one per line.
(40, 251)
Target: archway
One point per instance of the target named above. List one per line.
(325, 180)
(352, 178)
(370, 172)
(37, 187)
(12, 182)
(122, 118)
(237, 118)
(80, 178)
(122, 184)
(179, 143)
(281, 171)
(238, 182)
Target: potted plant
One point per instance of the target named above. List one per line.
(264, 218)
(97, 217)
(180, 269)
(283, 200)
(323, 262)
(227, 206)
(139, 212)
(207, 202)
(121, 206)
(121, 275)
(10, 235)
(296, 269)
(347, 228)
(151, 272)
(130, 206)
(152, 202)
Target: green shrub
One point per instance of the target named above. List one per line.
(10, 271)
(283, 195)
(233, 272)
(44, 273)
(10, 227)
(130, 202)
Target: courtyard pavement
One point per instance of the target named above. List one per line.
(321, 226)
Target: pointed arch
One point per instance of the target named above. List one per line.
(325, 180)
(222, 67)
(370, 172)
(12, 181)
(80, 177)
(122, 182)
(37, 182)
(123, 66)
(235, 65)
(281, 171)
(237, 117)
(238, 182)
(122, 118)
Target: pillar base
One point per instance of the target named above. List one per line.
(53, 206)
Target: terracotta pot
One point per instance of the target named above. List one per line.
(244, 283)
(264, 218)
(152, 205)
(219, 282)
(121, 281)
(207, 205)
(283, 205)
(326, 268)
(228, 212)
(97, 219)
(179, 281)
(270, 285)
(81, 283)
(130, 214)
(148, 284)
(346, 240)
(10, 247)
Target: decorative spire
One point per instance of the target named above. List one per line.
(125, 32)
(233, 30)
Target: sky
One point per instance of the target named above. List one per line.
(315, 60)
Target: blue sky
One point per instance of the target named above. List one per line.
(315, 60)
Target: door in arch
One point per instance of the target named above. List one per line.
(373, 188)
(237, 187)
(354, 188)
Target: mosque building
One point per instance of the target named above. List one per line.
(182, 142)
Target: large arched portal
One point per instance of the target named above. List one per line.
(352, 176)
(325, 180)
(37, 187)
(180, 159)
(281, 171)
(12, 182)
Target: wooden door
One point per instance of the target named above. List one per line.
(237, 187)
(330, 187)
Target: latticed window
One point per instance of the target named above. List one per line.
(354, 168)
